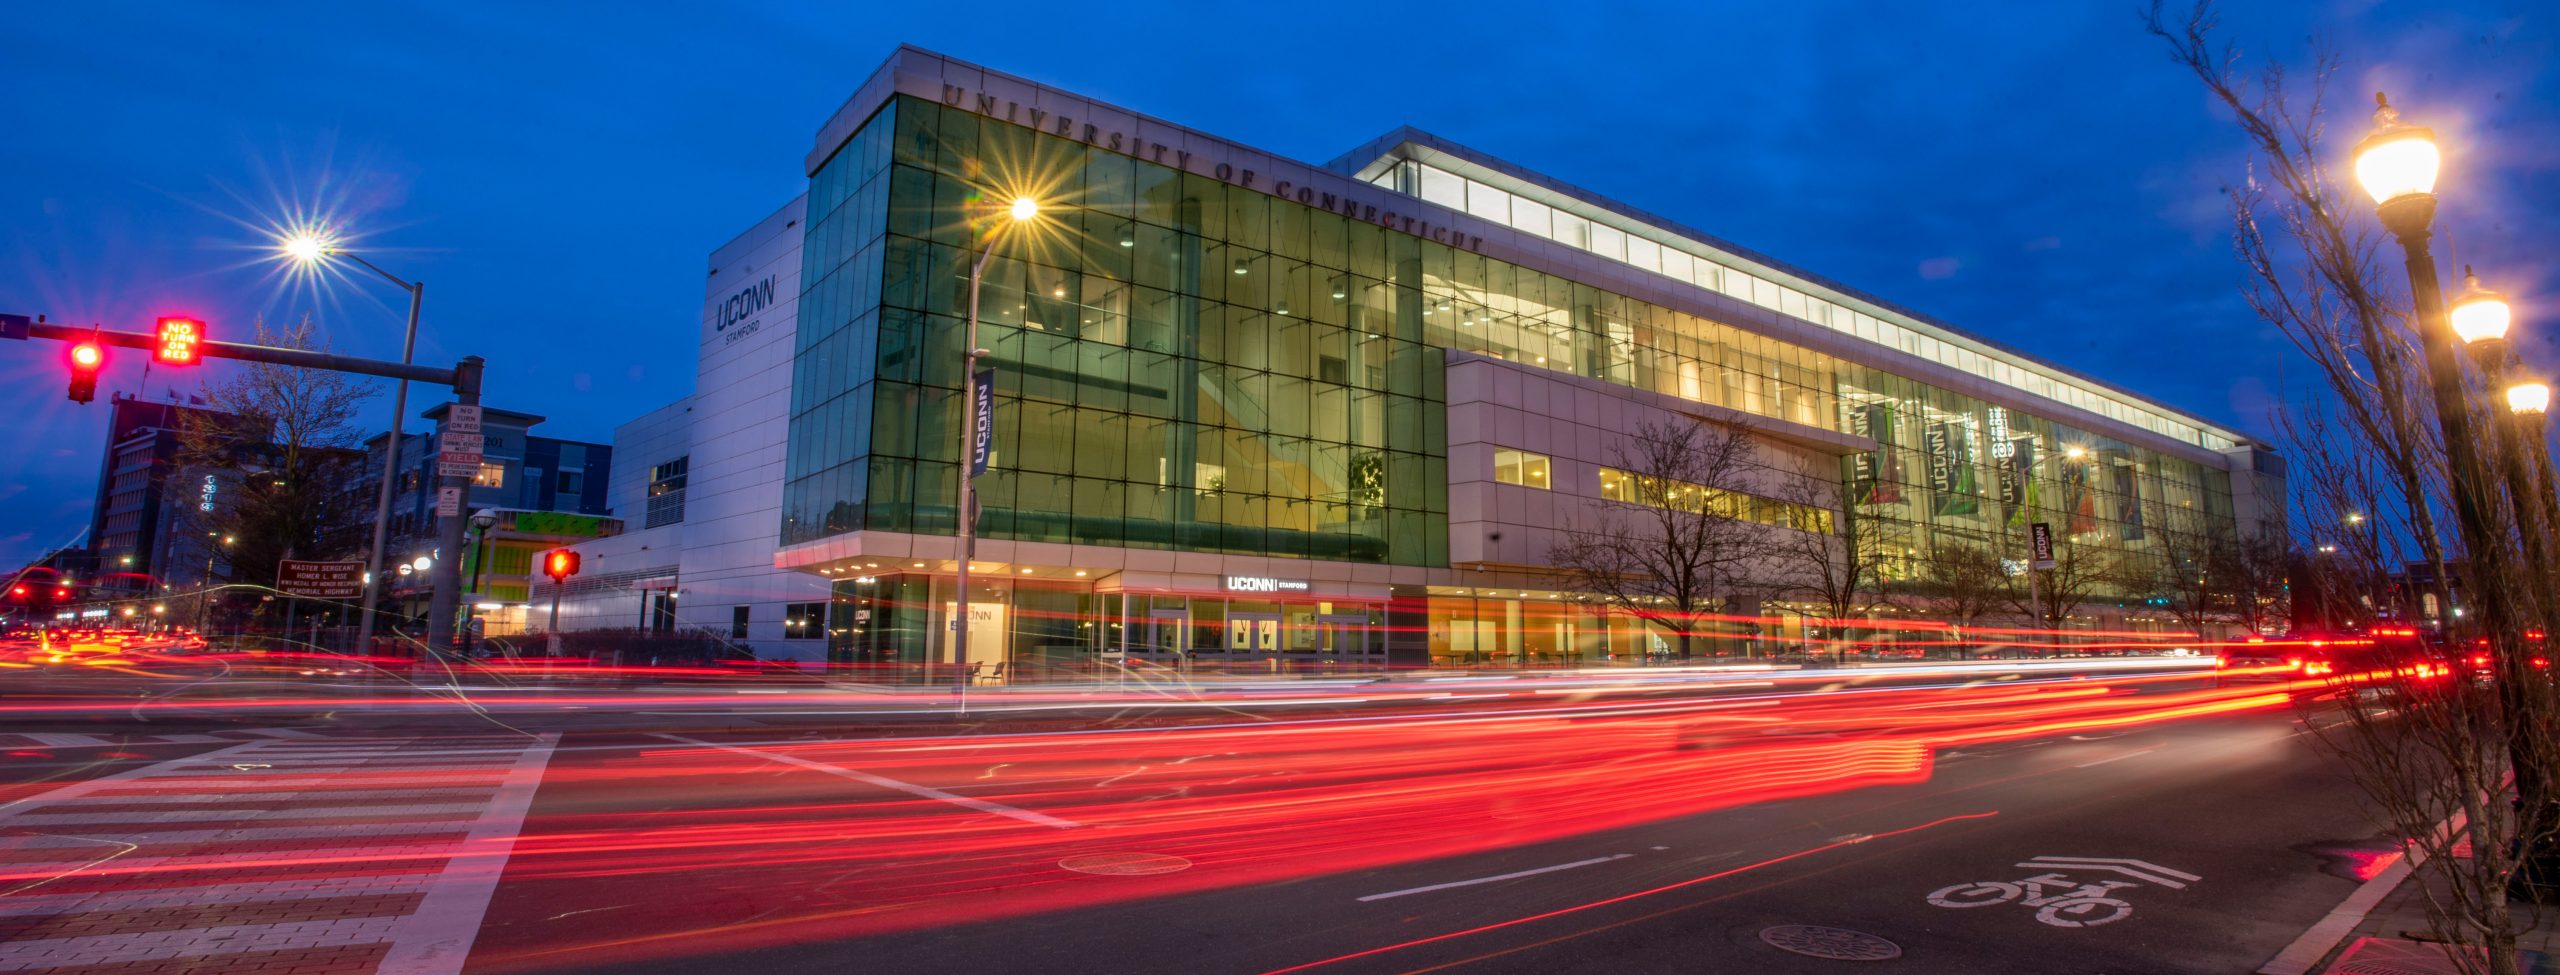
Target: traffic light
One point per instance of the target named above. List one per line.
(86, 357)
(560, 564)
(178, 340)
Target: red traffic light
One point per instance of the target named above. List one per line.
(560, 564)
(86, 357)
(178, 340)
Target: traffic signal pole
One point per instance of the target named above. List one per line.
(464, 378)
(446, 603)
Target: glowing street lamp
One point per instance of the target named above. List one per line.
(2528, 399)
(1021, 213)
(2479, 315)
(306, 248)
(2397, 161)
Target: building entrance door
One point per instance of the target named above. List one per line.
(1253, 637)
(1163, 637)
(1350, 640)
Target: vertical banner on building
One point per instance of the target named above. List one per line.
(2084, 500)
(1951, 479)
(2040, 546)
(2128, 488)
(1878, 472)
(2017, 488)
(982, 442)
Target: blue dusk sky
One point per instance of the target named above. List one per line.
(2036, 174)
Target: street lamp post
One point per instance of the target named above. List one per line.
(309, 249)
(2397, 165)
(2528, 401)
(1022, 210)
(2480, 318)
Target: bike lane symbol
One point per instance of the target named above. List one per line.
(2059, 899)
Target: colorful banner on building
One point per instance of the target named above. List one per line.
(2128, 488)
(2017, 488)
(1951, 478)
(2084, 499)
(1878, 473)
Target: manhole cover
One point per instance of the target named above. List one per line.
(1837, 944)
(1128, 864)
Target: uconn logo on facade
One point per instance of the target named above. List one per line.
(743, 306)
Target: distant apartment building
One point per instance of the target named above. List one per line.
(144, 527)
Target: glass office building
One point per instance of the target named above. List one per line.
(1224, 403)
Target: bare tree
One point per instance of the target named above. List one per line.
(2049, 597)
(1671, 539)
(1961, 583)
(1835, 559)
(2187, 571)
(2256, 573)
(287, 439)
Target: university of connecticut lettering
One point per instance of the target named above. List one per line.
(1053, 123)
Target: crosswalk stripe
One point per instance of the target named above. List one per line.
(43, 905)
(114, 949)
(437, 937)
(60, 740)
(202, 815)
(232, 778)
(147, 838)
(186, 798)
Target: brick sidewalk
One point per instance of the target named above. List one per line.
(295, 855)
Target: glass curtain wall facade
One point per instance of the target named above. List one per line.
(1185, 364)
(1178, 365)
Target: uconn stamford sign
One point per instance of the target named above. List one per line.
(743, 306)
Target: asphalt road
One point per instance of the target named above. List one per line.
(1487, 831)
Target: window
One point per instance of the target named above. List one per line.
(572, 482)
(409, 481)
(1520, 467)
(666, 492)
(801, 621)
(491, 475)
(1621, 486)
(738, 622)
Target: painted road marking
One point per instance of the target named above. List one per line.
(221, 815)
(44, 905)
(2137, 869)
(446, 864)
(436, 938)
(2062, 901)
(1514, 875)
(457, 792)
(885, 782)
(122, 949)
